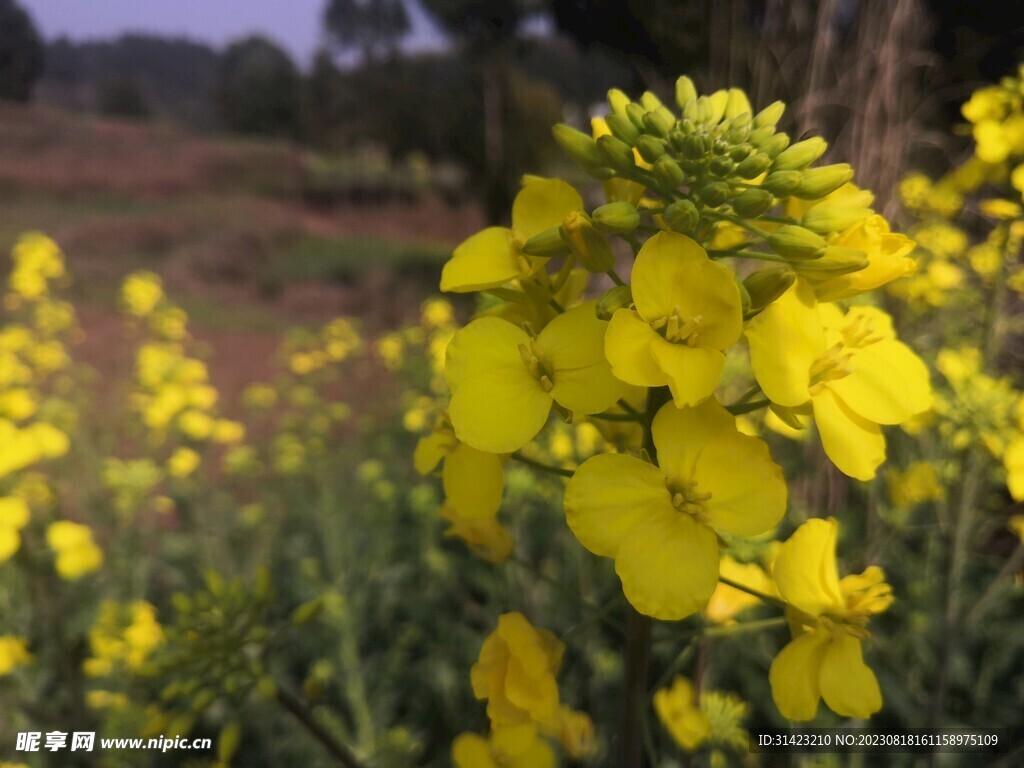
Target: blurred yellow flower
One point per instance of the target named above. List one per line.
(141, 292)
(13, 653)
(77, 554)
(678, 711)
(183, 462)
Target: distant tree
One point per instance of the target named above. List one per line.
(259, 89)
(375, 27)
(122, 98)
(21, 52)
(325, 102)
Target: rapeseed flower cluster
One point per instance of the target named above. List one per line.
(742, 255)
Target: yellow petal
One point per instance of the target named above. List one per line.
(668, 566)
(473, 482)
(692, 372)
(743, 503)
(608, 496)
(785, 340)
(542, 204)
(627, 345)
(680, 434)
(848, 685)
(805, 569)
(470, 750)
(538, 755)
(497, 406)
(855, 445)
(486, 260)
(888, 385)
(574, 344)
(794, 676)
(430, 450)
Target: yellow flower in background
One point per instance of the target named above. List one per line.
(486, 538)
(14, 515)
(659, 522)
(37, 260)
(918, 483)
(678, 711)
(1013, 461)
(437, 313)
(504, 383)
(259, 396)
(13, 653)
(515, 673)
(850, 369)
(183, 462)
(77, 554)
(141, 292)
(22, 447)
(470, 750)
(1016, 524)
(493, 257)
(123, 634)
(828, 616)
(687, 312)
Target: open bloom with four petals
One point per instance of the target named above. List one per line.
(828, 616)
(504, 383)
(687, 311)
(850, 369)
(659, 522)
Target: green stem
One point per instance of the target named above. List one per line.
(748, 626)
(615, 277)
(742, 253)
(740, 222)
(740, 408)
(750, 591)
(629, 409)
(542, 466)
(294, 705)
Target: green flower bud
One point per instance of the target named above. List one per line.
(587, 244)
(579, 146)
(833, 218)
(650, 148)
(766, 285)
(752, 202)
(774, 144)
(546, 244)
(681, 216)
(744, 294)
(616, 218)
(721, 166)
(761, 134)
(659, 122)
(754, 166)
(619, 297)
(668, 172)
(836, 261)
(649, 101)
(715, 194)
(801, 154)
(795, 242)
(617, 154)
(636, 113)
(739, 131)
(203, 699)
(699, 110)
(686, 91)
(770, 115)
(618, 101)
(782, 183)
(266, 688)
(228, 741)
(694, 147)
(819, 182)
(676, 137)
(308, 612)
(741, 152)
(622, 128)
(737, 104)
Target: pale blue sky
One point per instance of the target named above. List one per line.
(294, 24)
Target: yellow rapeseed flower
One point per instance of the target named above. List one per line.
(687, 312)
(473, 480)
(13, 653)
(659, 522)
(494, 256)
(77, 554)
(504, 383)
(471, 750)
(678, 711)
(849, 369)
(828, 616)
(486, 538)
